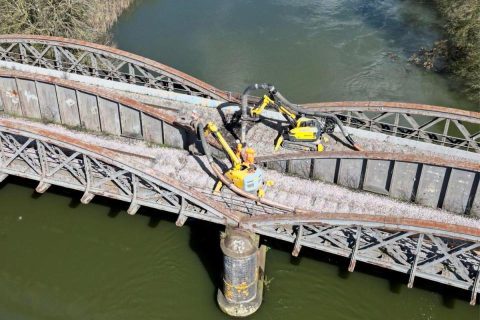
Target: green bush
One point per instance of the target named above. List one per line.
(462, 24)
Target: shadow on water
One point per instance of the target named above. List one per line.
(155, 217)
(205, 242)
(4, 183)
(397, 282)
(74, 202)
(204, 236)
(115, 207)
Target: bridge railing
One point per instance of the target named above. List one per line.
(453, 128)
(409, 246)
(55, 159)
(448, 127)
(89, 59)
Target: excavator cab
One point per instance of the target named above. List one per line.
(303, 133)
(306, 130)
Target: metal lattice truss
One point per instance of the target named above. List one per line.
(54, 164)
(445, 255)
(442, 126)
(437, 258)
(88, 59)
(438, 125)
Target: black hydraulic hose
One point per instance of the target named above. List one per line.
(218, 172)
(297, 108)
(245, 116)
(199, 127)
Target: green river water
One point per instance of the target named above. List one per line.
(64, 260)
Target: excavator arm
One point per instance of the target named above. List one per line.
(213, 129)
(267, 101)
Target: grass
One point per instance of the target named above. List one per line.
(88, 20)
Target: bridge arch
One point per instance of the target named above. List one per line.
(90, 59)
(437, 125)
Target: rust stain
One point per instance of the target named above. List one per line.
(139, 59)
(317, 217)
(374, 155)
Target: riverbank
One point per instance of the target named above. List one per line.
(459, 52)
(88, 20)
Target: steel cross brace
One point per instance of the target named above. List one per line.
(42, 185)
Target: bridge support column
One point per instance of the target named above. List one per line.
(244, 265)
(86, 198)
(42, 187)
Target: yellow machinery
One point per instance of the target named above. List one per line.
(305, 127)
(303, 133)
(243, 173)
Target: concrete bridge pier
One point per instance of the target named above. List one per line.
(244, 265)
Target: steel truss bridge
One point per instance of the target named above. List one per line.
(443, 126)
(442, 252)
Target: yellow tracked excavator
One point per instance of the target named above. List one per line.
(305, 127)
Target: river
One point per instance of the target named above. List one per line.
(65, 260)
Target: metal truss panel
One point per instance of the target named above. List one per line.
(438, 258)
(89, 59)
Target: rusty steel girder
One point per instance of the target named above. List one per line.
(437, 251)
(433, 124)
(90, 59)
(440, 182)
(77, 105)
(454, 128)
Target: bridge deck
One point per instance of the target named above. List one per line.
(315, 196)
(444, 251)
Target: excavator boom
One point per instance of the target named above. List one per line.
(269, 102)
(213, 129)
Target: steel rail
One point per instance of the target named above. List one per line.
(448, 255)
(374, 155)
(391, 106)
(90, 59)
